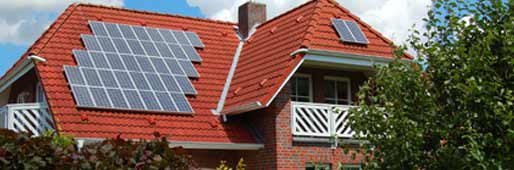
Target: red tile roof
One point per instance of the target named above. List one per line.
(263, 66)
(220, 40)
(266, 55)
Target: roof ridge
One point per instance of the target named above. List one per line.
(312, 25)
(153, 13)
(285, 13)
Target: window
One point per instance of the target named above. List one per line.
(350, 167)
(301, 88)
(40, 95)
(337, 90)
(317, 166)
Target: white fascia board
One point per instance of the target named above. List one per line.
(334, 57)
(191, 145)
(18, 71)
(243, 108)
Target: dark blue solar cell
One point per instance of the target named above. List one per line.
(91, 43)
(181, 102)
(140, 81)
(141, 33)
(130, 62)
(164, 50)
(113, 30)
(99, 59)
(98, 28)
(121, 45)
(174, 66)
(194, 39)
(178, 51)
(185, 85)
(192, 54)
(82, 96)
(74, 75)
(83, 58)
(91, 77)
(343, 31)
(357, 32)
(188, 67)
(134, 99)
(107, 78)
(117, 98)
(136, 47)
(170, 83)
(181, 37)
(100, 97)
(168, 36)
(150, 48)
(155, 82)
(154, 34)
(150, 100)
(145, 64)
(166, 101)
(160, 66)
(115, 61)
(124, 80)
(106, 44)
(127, 32)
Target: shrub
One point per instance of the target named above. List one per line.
(21, 151)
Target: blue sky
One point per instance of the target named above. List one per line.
(10, 52)
(21, 22)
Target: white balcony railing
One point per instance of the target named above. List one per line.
(29, 117)
(320, 120)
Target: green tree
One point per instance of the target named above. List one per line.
(454, 111)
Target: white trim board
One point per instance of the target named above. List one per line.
(192, 145)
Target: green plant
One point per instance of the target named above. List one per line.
(240, 165)
(453, 111)
(21, 151)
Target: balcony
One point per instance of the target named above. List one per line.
(33, 118)
(318, 120)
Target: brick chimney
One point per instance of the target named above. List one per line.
(251, 14)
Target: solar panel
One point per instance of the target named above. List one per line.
(98, 28)
(349, 31)
(150, 100)
(154, 34)
(91, 77)
(194, 39)
(82, 96)
(136, 47)
(188, 68)
(357, 32)
(181, 37)
(106, 44)
(83, 58)
(134, 99)
(117, 98)
(178, 51)
(99, 59)
(127, 32)
(185, 85)
(192, 54)
(113, 30)
(150, 49)
(141, 33)
(114, 61)
(91, 43)
(134, 67)
(168, 36)
(74, 75)
(121, 45)
(100, 97)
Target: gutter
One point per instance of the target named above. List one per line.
(25, 66)
(190, 145)
(231, 73)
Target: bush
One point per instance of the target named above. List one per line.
(21, 151)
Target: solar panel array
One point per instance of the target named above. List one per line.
(349, 31)
(135, 68)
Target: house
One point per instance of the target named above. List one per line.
(262, 90)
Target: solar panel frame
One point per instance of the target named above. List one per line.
(356, 32)
(98, 28)
(91, 43)
(100, 97)
(181, 37)
(194, 39)
(82, 96)
(191, 53)
(99, 59)
(113, 30)
(83, 58)
(188, 68)
(74, 75)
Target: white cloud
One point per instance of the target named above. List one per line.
(22, 21)
(393, 18)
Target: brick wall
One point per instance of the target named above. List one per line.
(274, 124)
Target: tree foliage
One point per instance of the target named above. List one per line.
(21, 151)
(454, 111)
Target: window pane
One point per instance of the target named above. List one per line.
(342, 90)
(302, 99)
(303, 86)
(331, 101)
(294, 86)
(330, 89)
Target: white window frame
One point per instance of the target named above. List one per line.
(308, 76)
(40, 93)
(339, 79)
